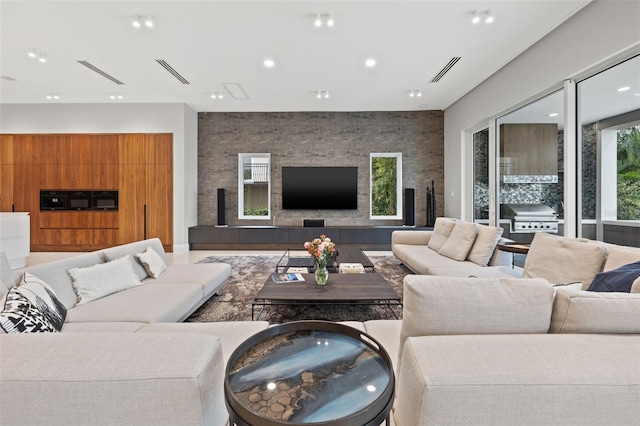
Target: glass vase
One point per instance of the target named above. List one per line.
(322, 274)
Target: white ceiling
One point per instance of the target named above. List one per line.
(215, 42)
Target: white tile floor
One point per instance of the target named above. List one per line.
(193, 256)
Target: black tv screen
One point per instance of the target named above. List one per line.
(320, 188)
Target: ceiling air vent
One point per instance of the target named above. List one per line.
(99, 71)
(445, 70)
(6, 77)
(173, 72)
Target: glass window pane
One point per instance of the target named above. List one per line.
(254, 186)
(481, 176)
(386, 185)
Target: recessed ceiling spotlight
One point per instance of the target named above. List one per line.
(31, 53)
(116, 96)
(42, 58)
(415, 94)
(330, 21)
(553, 114)
(136, 22)
(318, 21)
(269, 63)
(623, 89)
(370, 63)
(53, 96)
(322, 94)
(148, 22)
(488, 17)
(217, 95)
(476, 18)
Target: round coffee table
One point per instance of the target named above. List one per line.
(309, 372)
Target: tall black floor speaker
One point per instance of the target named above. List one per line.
(222, 220)
(409, 207)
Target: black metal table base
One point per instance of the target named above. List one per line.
(263, 303)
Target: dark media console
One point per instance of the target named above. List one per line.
(290, 237)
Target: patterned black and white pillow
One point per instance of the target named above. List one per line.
(19, 315)
(42, 297)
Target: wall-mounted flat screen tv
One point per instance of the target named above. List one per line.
(320, 188)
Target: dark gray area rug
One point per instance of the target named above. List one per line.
(249, 273)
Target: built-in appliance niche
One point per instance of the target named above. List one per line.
(98, 200)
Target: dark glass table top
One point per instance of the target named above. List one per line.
(309, 372)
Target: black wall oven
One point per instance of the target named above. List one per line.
(78, 200)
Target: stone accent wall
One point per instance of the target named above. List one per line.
(318, 139)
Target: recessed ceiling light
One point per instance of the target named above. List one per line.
(636, 94)
(623, 89)
(330, 21)
(269, 63)
(370, 63)
(318, 21)
(31, 53)
(116, 96)
(322, 94)
(135, 22)
(217, 95)
(553, 114)
(476, 18)
(148, 22)
(53, 96)
(42, 58)
(488, 18)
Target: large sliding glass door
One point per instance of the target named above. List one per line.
(609, 138)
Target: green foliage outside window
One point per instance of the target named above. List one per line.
(384, 186)
(629, 174)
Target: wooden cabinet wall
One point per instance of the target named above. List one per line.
(6, 173)
(532, 148)
(146, 180)
(30, 163)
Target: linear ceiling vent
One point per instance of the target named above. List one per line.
(173, 72)
(235, 90)
(99, 71)
(6, 77)
(445, 70)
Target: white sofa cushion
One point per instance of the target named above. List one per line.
(460, 241)
(152, 262)
(562, 260)
(113, 253)
(579, 311)
(96, 281)
(487, 238)
(441, 230)
(450, 305)
(143, 303)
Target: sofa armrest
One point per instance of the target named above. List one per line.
(411, 237)
(111, 378)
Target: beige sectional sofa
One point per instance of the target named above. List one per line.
(124, 358)
(453, 248)
(505, 351)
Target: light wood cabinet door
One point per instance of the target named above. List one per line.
(159, 197)
(532, 149)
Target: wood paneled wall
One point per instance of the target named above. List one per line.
(138, 166)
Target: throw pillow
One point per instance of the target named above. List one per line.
(18, 315)
(620, 279)
(441, 231)
(152, 262)
(484, 245)
(460, 241)
(43, 298)
(103, 279)
(562, 260)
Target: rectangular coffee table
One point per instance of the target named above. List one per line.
(345, 255)
(342, 289)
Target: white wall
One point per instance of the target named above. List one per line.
(124, 118)
(599, 32)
